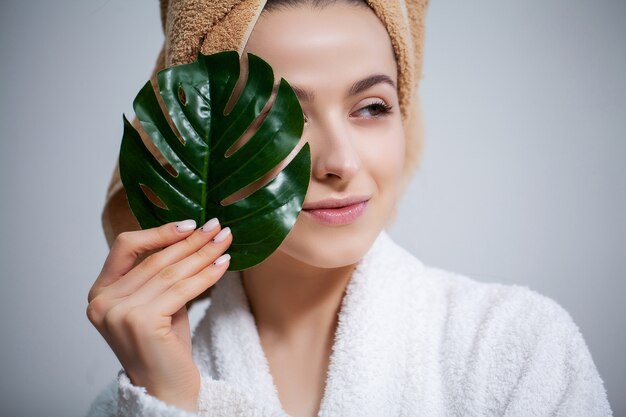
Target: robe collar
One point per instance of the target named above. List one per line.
(368, 362)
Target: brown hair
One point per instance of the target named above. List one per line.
(272, 5)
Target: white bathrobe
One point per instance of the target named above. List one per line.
(411, 341)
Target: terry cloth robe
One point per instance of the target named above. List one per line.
(411, 341)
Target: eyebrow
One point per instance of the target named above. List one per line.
(369, 82)
(302, 94)
(357, 87)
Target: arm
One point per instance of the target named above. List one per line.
(140, 311)
(216, 399)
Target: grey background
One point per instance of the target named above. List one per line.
(523, 177)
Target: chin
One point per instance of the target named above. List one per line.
(330, 248)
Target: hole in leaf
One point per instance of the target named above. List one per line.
(239, 85)
(182, 97)
(254, 126)
(154, 199)
(149, 144)
(170, 169)
(265, 179)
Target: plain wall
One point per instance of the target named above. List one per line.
(523, 177)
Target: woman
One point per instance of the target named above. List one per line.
(339, 321)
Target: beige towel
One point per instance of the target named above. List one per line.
(211, 26)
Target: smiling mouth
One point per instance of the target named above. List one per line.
(336, 212)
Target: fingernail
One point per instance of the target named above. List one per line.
(210, 225)
(222, 259)
(186, 225)
(221, 236)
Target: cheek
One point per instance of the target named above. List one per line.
(382, 161)
(383, 157)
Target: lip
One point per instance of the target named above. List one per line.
(337, 211)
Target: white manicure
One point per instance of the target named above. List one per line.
(186, 225)
(222, 259)
(210, 225)
(222, 235)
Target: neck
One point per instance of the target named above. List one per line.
(288, 297)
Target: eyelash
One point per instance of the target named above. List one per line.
(380, 105)
(384, 109)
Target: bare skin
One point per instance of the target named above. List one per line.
(297, 320)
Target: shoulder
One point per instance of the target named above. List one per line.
(501, 311)
(483, 302)
(467, 305)
(512, 348)
(477, 303)
(507, 323)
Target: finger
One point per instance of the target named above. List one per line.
(181, 270)
(128, 245)
(168, 264)
(175, 298)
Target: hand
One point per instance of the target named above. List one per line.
(140, 309)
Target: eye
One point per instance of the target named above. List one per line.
(374, 110)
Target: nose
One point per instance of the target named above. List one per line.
(333, 152)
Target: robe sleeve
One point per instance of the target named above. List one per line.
(558, 377)
(216, 399)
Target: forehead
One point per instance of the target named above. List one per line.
(307, 46)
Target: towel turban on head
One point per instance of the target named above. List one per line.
(211, 26)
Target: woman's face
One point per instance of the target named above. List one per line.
(340, 62)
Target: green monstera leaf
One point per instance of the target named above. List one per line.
(195, 96)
